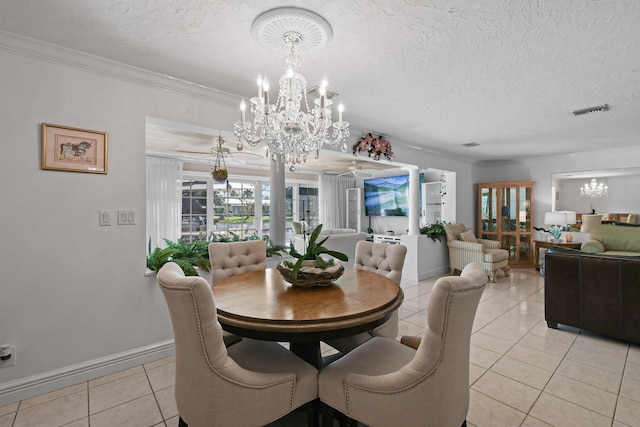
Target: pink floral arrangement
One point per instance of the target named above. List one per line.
(374, 147)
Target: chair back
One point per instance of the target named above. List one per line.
(198, 335)
(590, 221)
(296, 227)
(444, 349)
(381, 258)
(453, 231)
(233, 258)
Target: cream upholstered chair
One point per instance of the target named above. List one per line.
(386, 383)
(632, 218)
(589, 221)
(464, 248)
(233, 258)
(296, 227)
(251, 383)
(384, 259)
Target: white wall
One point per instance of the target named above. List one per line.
(75, 300)
(540, 169)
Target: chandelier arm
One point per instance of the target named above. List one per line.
(291, 129)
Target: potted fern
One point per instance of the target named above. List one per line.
(311, 269)
(187, 255)
(435, 231)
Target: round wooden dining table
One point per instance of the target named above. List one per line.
(262, 305)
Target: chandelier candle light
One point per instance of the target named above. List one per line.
(594, 189)
(291, 129)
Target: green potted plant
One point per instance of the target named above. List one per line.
(435, 231)
(219, 175)
(187, 255)
(190, 256)
(319, 271)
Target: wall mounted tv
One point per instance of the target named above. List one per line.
(387, 196)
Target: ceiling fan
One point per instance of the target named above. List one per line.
(356, 170)
(219, 150)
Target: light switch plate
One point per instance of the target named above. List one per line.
(126, 217)
(105, 218)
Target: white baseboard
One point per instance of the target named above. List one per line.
(432, 272)
(25, 388)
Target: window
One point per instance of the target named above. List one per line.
(308, 205)
(240, 207)
(234, 209)
(194, 210)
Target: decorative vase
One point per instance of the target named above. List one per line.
(569, 237)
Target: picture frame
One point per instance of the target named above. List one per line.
(72, 149)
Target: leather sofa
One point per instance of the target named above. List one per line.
(595, 292)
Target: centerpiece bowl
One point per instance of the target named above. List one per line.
(310, 268)
(309, 277)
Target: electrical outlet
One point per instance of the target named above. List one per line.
(7, 350)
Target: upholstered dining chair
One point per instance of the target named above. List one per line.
(464, 248)
(229, 259)
(296, 227)
(251, 383)
(384, 382)
(589, 221)
(387, 260)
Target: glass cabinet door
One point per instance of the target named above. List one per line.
(488, 212)
(505, 214)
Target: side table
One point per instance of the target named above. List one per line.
(537, 244)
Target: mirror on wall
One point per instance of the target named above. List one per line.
(622, 191)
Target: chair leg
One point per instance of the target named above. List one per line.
(313, 412)
(327, 415)
(492, 276)
(181, 423)
(345, 421)
(506, 270)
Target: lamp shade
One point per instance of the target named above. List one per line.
(560, 218)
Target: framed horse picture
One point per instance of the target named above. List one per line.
(74, 150)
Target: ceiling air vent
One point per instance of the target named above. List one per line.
(604, 107)
(471, 144)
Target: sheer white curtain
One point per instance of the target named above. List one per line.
(164, 200)
(333, 200)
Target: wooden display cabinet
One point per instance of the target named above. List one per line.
(505, 213)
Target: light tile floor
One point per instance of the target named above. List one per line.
(521, 373)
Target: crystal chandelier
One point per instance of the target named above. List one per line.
(291, 129)
(594, 189)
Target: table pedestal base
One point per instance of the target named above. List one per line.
(308, 351)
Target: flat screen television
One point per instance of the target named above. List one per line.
(387, 196)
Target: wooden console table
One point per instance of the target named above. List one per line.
(537, 244)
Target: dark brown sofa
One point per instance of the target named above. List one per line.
(595, 292)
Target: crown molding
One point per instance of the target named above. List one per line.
(44, 51)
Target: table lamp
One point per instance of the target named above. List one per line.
(558, 221)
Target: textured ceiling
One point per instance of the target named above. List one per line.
(504, 74)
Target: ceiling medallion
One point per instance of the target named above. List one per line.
(272, 28)
(289, 127)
